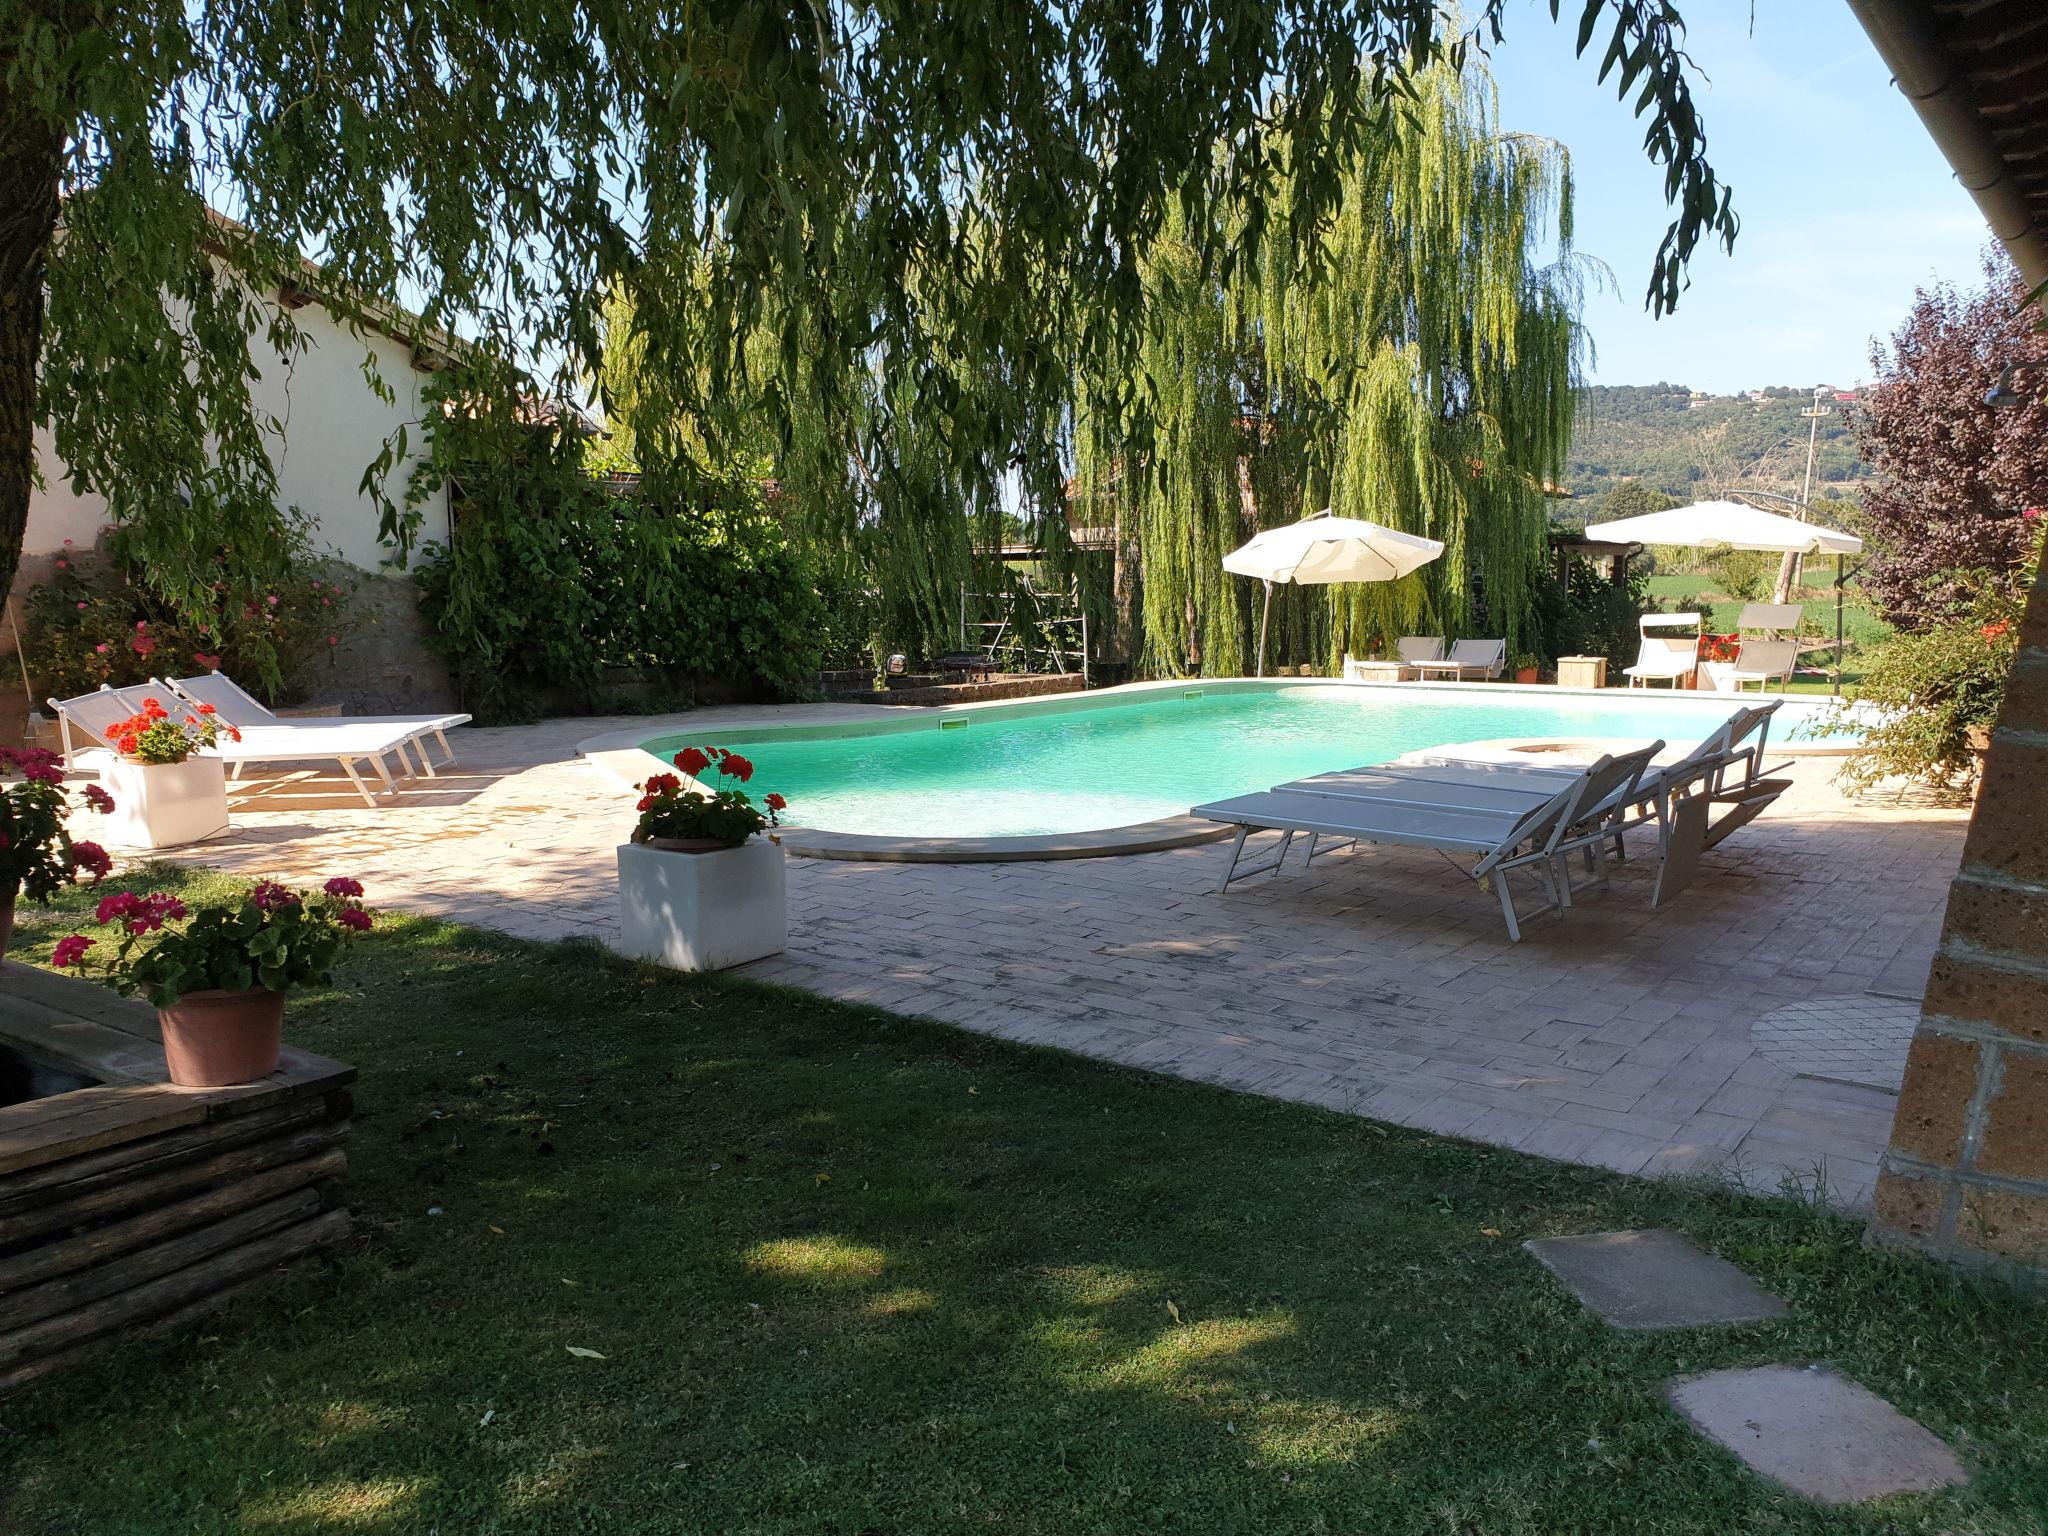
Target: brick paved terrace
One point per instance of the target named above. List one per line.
(1380, 982)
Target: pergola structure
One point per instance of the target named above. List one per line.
(1966, 1175)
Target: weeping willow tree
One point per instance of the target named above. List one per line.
(892, 479)
(1409, 360)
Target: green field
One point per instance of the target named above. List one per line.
(640, 1254)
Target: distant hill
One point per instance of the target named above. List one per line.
(1690, 444)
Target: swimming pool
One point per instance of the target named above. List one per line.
(1084, 762)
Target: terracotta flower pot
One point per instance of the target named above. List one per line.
(213, 1039)
(1528, 674)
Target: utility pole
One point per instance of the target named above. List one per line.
(1788, 567)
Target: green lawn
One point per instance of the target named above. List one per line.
(851, 1273)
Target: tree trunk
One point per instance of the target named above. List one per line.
(31, 157)
(1788, 577)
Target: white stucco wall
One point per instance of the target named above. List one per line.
(334, 425)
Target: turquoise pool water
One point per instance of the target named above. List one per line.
(1049, 766)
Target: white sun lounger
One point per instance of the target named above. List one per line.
(1665, 658)
(1414, 650)
(1469, 659)
(1500, 839)
(235, 704)
(94, 714)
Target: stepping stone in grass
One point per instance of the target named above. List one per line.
(1820, 1434)
(1654, 1280)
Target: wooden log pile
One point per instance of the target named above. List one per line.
(133, 1205)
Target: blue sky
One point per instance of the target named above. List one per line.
(1846, 205)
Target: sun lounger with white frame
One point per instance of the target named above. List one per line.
(1502, 832)
(1469, 661)
(1667, 658)
(1414, 650)
(350, 746)
(236, 705)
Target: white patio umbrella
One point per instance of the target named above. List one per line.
(1322, 549)
(1732, 525)
(1726, 524)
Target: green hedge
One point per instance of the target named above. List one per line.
(551, 581)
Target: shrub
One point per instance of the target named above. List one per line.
(1748, 574)
(1593, 615)
(1938, 689)
(97, 621)
(550, 579)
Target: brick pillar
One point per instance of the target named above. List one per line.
(1966, 1175)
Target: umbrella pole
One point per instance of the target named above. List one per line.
(1838, 627)
(1265, 613)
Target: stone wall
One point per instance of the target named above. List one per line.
(383, 665)
(1024, 685)
(1966, 1175)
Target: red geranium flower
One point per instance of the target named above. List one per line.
(775, 802)
(91, 856)
(354, 917)
(692, 761)
(269, 896)
(120, 904)
(736, 767)
(98, 798)
(341, 885)
(71, 950)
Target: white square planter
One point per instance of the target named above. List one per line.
(702, 911)
(165, 805)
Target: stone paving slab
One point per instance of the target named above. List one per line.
(1653, 1280)
(1379, 982)
(1820, 1434)
(1852, 1038)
